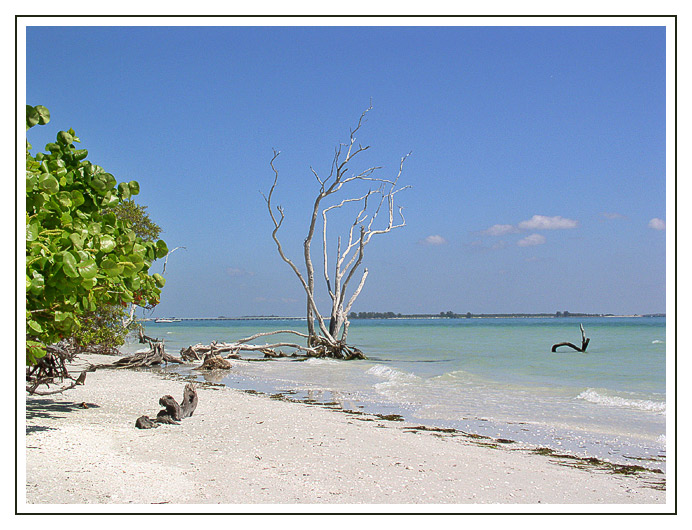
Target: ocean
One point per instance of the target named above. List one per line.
(491, 377)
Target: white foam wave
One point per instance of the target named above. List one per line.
(657, 342)
(314, 361)
(391, 374)
(592, 396)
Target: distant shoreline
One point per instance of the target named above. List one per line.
(412, 317)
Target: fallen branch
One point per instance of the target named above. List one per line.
(155, 356)
(584, 343)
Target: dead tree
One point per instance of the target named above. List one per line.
(328, 339)
(584, 343)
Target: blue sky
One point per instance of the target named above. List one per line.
(538, 156)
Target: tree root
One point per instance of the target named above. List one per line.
(52, 368)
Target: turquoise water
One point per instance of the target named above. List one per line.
(494, 377)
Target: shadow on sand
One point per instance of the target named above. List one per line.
(43, 408)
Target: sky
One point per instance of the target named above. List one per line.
(537, 171)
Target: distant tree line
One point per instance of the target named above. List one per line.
(451, 314)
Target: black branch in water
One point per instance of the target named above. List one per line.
(584, 342)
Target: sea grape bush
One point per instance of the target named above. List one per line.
(80, 256)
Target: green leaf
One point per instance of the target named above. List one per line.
(94, 228)
(161, 249)
(109, 179)
(64, 198)
(65, 138)
(160, 280)
(31, 181)
(110, 200)
(77, 198)
(69, 265)
(43, 113)
(77, 240)
(35, 326)
(98, 183)
(89, 283)
(31, 232)
(134, 187)
(32, 117)
(111, 267)
(37, 284)
(49, 183)
(107, 244)
(87, 269)
(124, 190)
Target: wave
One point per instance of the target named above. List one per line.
(313, 361)
(391, 374)
(657, 342)
(592, 396)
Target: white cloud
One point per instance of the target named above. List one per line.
(532, 240)
(500, 230)
(433, 240)
(657, 224)
(234, 271)
(541, 222)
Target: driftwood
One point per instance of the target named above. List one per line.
(52, 367)
(172, 413)
(214, 362)
(584, 343)
(317, 347)
(189, 403)
(155, 356)
(199, 352)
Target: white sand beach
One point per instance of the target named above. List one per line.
(82, 447)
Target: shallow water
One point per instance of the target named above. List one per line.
(493, 377)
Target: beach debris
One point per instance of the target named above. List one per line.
(145, 422)
(215, 362)
(154, 356)
(189, 403)
(172, 413)
(52, 368)
(199, 351)
(584, 342)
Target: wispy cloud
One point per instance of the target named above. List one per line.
(433, 240)
(531, 241)
(537, 222)
(500, 230)
(542, 222)
(612, 215)
(236, 272)
(657, 224)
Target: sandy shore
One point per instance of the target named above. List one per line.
(82, 448)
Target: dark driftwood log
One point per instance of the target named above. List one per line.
(171, 413)
(189, 403)
(584, 343)
(145, 422)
